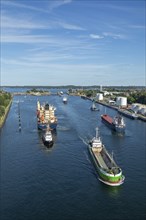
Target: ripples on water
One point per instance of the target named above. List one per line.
(61, 183)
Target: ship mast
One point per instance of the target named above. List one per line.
(112, 155)
(97, 133)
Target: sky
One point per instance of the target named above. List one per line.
(73, 42)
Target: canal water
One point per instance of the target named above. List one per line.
(61, 183)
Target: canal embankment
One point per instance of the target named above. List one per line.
(4, 116)
(139, 116)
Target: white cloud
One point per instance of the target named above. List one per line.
(39, 40)
(18, 5)
(108, 34)
(19, 22)
(114, 36)
(137, 26)
(52, 4)
(95, 36)
(26, 39)
(69, 26)
(58, 3)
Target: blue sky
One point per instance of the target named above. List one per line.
(73, 42)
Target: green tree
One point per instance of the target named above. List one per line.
(2, 99)
(2, 110)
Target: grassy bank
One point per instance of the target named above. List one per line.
(5, 104)
(3, 118)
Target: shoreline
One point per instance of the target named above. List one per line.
(3, 118)
(140, 117)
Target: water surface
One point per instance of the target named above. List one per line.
(61, 183)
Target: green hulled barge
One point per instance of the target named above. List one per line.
(108, 171)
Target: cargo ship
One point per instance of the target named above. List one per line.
(48, 139)
(108, 171)
(46, 116)
(116, 124)
(128, 114)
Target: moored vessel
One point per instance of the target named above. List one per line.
(116, 124)
(128, 114)
(46, 116)
(108, 171)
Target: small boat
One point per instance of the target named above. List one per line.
(116, 124)
(108, 171)
(48, 139)
(65, 100)
(93, 107)
(60, 93)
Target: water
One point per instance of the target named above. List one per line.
(61, 183)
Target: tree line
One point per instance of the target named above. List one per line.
(132, 96)
(5, 99)
(137, 97)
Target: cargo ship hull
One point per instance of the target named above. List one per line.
(104, 168)
(108, 121)
(43, 126)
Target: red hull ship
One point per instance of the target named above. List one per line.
(116, 123)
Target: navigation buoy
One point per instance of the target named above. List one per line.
(19, 127)
(19, 117)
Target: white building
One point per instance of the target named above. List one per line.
(139, 108)
(106, 93)
(99, 96)
(111, 102)
(121, 101)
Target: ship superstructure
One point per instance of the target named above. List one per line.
(46, 116)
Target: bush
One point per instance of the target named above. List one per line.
(2, 110)
(5, 99)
